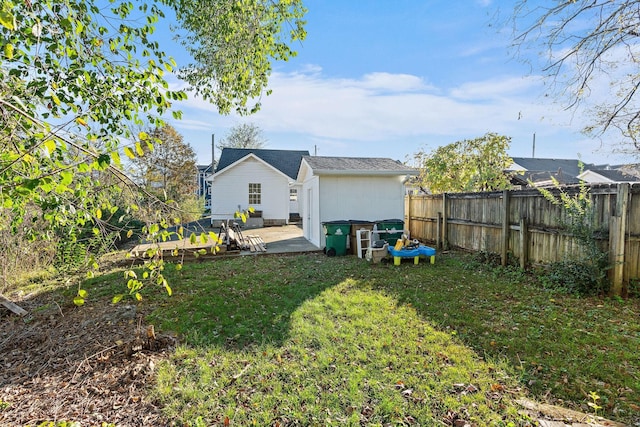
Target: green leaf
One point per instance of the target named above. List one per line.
(115, 157)
(117, 298)
(67, 177)
(193, 239)
(8, 51)
(7, 19)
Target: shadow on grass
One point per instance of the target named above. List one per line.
(244, 301)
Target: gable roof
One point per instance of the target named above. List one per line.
(567, 166)
(322, 165)
(614, 175)
(286, 161)
(543, 178)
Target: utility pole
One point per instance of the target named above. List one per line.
(213, 152)
(533, 154)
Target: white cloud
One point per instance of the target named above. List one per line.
(396, 112)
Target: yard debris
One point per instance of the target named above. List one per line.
(89, 365)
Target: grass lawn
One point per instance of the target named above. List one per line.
(311, 340)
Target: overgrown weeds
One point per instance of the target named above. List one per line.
(586, 272)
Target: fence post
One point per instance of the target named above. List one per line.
(617, 231)
(445, 241)
(438, 235)
(407, 210)
(524, 243)
(505, 227)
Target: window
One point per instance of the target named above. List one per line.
(255, 193)
(293, 195)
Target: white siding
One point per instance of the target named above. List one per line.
(369, 198)
(230, 189)
(593, 177)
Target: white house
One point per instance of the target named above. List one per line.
(262, 179)
(344, 188)
(610, 176)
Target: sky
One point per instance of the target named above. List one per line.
(381, 78)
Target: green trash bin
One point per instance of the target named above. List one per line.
(336, 235)
(393, 228)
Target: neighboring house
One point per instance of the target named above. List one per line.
(262, 179)
(528, 171)
(344, 188)
(543, 172)
(612, 175)
(203, 190)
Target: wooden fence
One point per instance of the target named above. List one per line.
(524, 224)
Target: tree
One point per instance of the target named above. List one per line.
(254, 31)
(77, 76)
(589, 44)
(245, 135)
(465, 166)
(168, 170)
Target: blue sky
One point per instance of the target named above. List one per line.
(380, 78)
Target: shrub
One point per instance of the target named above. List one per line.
(578, 277)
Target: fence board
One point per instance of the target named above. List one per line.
(475, 221)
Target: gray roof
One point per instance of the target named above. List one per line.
(543, 178)
(567, 166)
(286, 161)
(360, 165)
(616, 175)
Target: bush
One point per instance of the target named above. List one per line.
(575, 277)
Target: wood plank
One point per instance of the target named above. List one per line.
(14, 308)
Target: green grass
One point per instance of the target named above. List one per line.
(311, 340)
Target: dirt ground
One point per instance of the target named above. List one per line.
(88, 364)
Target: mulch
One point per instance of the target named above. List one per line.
(88, 364)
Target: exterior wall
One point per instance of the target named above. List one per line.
(204, 189)
(230, 190)
(592, 177)
(369, 198)
(310, 212)
(294, 206)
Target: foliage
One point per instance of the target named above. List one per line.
(573, 276)
(467, 166)
(167, 167)
(245, 135)
(236, 42)
(78, 76)
(21, 255)
(587, 273)
(589, 45)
